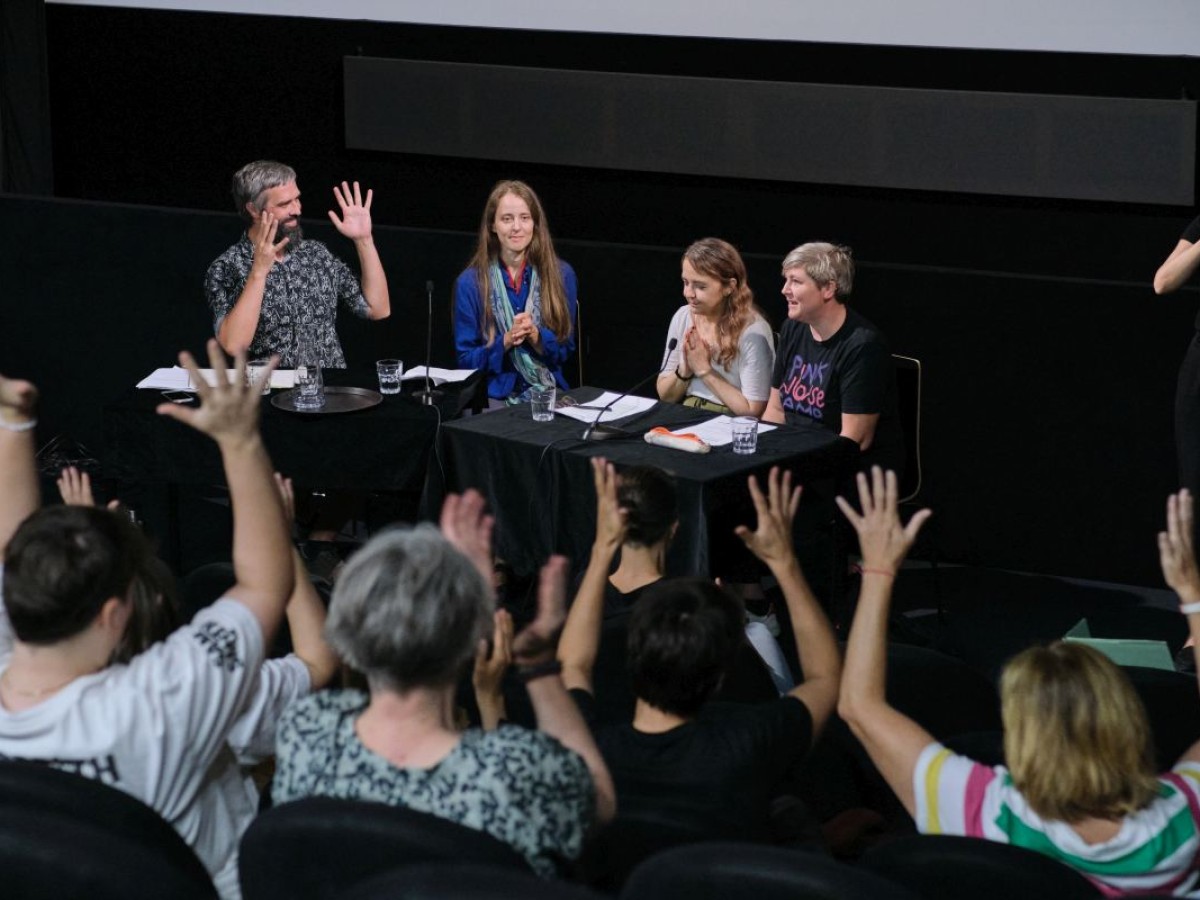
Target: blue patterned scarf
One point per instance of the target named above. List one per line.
(535, 372)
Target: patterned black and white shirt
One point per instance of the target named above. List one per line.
(522, 787)
(303, 289)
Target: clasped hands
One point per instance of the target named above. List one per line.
(696, 359)
(523, 329)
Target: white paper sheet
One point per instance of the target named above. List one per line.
(718, 431)
(627, 406)
(438, 376)
(176, 378)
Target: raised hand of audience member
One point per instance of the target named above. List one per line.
(262, 548)
(19, 490)
(465, 525)
(491, 662)
(1175, 552)
(893, 741)
(305, 609)
(816, 646)
(534, 645)
(229, 409)
(771, 539)
(557, 714)
(581, 635)
(75, 488)
(883, 540)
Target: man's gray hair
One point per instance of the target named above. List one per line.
(254, 179)
(409, 610)
(824, 263)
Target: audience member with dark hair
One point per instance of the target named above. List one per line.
(724, 348)
(1079, 783)
(410, 611)
(710, 767)
(158, 727)
(514, 305)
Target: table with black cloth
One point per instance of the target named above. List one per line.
(383, 448)
(537, 479)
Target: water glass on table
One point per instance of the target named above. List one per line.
(745, 435)
(389, 372)
(541, 401)
(256, 375)
(309, 394)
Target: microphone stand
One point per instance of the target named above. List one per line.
(428, 396)
(598, 432)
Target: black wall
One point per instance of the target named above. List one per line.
(1049, 362)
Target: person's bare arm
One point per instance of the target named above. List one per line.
(236, 331)
(1177, 557)
(557, 714)
(228, 413)
(580, 641)
(1177, 268)
(20, 495)
(774, 412)
(892, 740)
(305, 609)
(490, 665)
(771, 541)
(355, 223)
(860, 428)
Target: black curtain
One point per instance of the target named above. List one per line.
(26, 166)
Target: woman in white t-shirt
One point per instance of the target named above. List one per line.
(724, 349)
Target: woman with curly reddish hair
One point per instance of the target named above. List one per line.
(724, 349)
(514, 305)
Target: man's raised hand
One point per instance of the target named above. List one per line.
(355, 221)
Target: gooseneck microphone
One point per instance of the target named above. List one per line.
(428, 396)
(598, 432)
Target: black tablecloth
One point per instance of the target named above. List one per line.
(384, 448)
(537, 479)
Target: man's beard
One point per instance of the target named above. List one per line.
(294, 234)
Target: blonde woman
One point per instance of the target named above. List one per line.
(1079, 784)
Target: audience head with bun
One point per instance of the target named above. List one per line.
(648, 496)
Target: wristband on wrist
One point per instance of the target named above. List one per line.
(1188, 608)
(27, 425)
(682, 377)
(868, 571)
(526, 674)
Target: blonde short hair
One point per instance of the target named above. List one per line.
(1076, 738)
(824, 263)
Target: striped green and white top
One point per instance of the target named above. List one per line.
(1154, 852)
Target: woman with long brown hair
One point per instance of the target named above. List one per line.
(724, 348)
(514, 305)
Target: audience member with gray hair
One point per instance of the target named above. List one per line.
(270, 284)
(412, 610)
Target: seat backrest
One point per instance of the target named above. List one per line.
(36, 790)
(51, 855)
(942, 867)
(318, 847)
(463, 881)
(729, 870)
(909, 400)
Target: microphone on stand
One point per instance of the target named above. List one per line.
(428, 396)
(598, 432)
